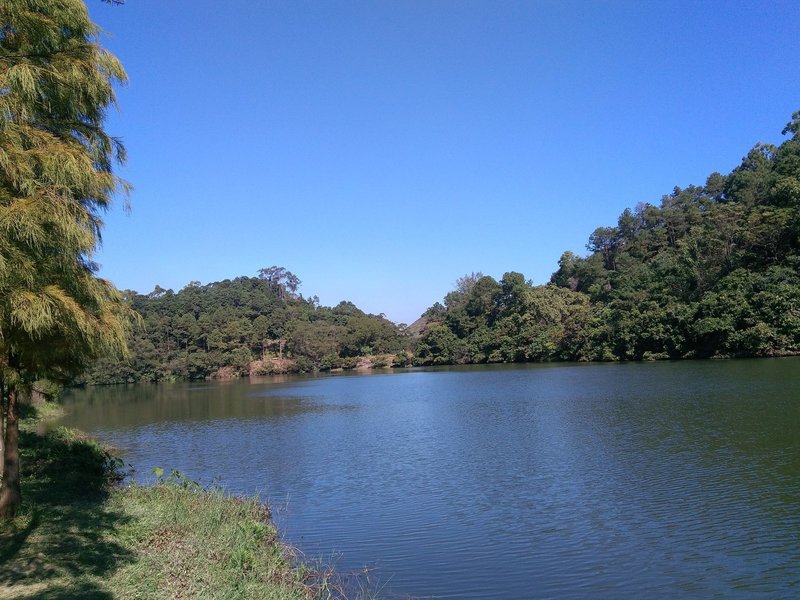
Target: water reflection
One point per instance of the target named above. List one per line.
(546, 480)
(135, 405)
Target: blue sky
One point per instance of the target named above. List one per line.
(380, 150)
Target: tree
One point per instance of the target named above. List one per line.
(793, 126)
(464, 284)
(605, 241)
(56, 84)
(281, 280)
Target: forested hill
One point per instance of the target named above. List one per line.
(713, 271)
(249, 325)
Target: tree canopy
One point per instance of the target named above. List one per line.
(56, 178)
(712, 271)
(245, 326)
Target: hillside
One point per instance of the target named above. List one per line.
(712, 271)
(245, 326)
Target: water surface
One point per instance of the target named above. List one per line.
(571, 481)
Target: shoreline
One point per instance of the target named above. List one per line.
(367, 367)
(82, 533)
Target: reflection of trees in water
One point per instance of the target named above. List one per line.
(705, 440)
(124, 406)
(621, 469)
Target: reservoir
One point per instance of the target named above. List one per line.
(658, 480)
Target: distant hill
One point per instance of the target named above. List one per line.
(246, 326)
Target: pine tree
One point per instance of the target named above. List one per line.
(56, 178)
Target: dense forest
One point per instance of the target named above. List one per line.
(711, 272)
(247, 326)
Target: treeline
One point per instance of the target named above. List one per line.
(713, 271)
(246, 326)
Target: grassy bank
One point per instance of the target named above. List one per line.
(81, 535)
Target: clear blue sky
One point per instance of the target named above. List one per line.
(380, 150)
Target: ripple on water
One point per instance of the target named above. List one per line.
(571, 481)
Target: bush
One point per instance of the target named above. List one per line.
(402, 359)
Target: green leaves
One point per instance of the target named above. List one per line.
(56, 177)
(712, 271)
(244, 326)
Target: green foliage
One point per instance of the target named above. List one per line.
(712, 271)
(75, 463)
(249, 325)
(402, 359)
(56, 178)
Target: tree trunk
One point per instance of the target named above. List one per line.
(10, 494)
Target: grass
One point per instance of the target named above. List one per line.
(191, 543)
(80, 534)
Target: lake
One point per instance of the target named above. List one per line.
(669, 479)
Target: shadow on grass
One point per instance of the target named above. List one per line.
(84, 590)
(63, 542)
